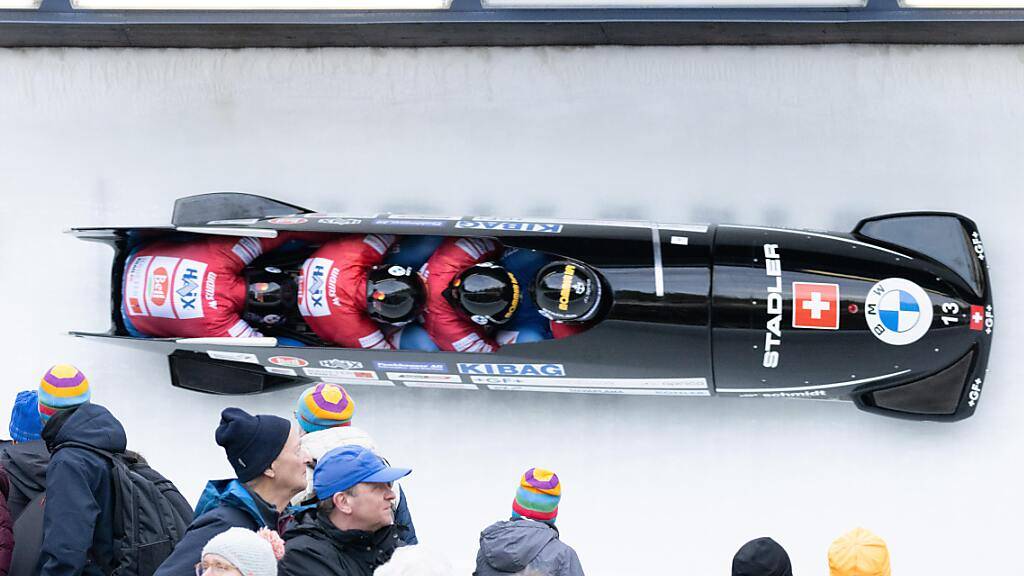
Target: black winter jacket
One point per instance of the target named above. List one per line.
(224, 504)
(315, 546)
(25, 464)
(78, 529)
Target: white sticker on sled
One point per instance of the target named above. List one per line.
(625, 391)
(630, 383)
(233, 356)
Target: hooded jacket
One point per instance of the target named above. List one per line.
(315, 546)
(318, 444)
(224, 504)
(25, 464)
(6, 526)
(78, 529)
(514, 545)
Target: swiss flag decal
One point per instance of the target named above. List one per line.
(815, 305)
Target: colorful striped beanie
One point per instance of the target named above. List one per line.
(62, 387)
(324, 406)
(538, 495)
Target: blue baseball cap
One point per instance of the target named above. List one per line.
(344, 467)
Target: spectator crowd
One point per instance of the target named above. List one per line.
(313, 497)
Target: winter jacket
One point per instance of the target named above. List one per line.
(25, 464)
(512, 546)
(78, 529)
(314, 546)
(317, 444)
(6, 526)
(224, 504)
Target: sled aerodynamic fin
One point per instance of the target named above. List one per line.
(948, 239)
(933, 396)
(204, 208)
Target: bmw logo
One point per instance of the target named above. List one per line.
(898, 311)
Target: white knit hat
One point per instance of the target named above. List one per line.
(250, 554)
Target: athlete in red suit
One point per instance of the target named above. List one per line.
(192, 289)
(335, 300)
(451, 330)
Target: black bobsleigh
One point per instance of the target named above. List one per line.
(895, 316)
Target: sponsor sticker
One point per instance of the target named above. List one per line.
(512, 369)
(424, 377)
(977, 318)
(511, 226)
(975, 393)
(331, 373)
(281, 371)
(287, 221)
(362, 381)
(343, 364)
(815, 305)
(979, 247)
(621, 391)
(187, 300)
(313, 283)
(773, 305)
(413, 223)
(631, 383)
(233, 356)
(290, 361)
(339, 221)
(441, 385)
(412, 366)
(240, 221)
(421, 217)
(898, 311)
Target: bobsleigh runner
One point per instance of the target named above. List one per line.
(895, 316)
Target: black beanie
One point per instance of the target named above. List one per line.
(761, 557)
(252, 443)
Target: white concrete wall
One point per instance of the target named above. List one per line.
(800, 136)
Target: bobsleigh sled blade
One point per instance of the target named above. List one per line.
(949, 239)
(204, 208)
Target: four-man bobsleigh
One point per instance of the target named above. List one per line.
(895, 316)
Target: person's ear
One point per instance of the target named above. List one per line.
(342, 503)
(270, 472)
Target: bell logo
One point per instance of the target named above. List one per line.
(158, 285)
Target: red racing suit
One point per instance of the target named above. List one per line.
(332, 290)
(448, 329)
(192, 289)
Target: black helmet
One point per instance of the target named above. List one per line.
(394, 294)
(270, 296)
(487, 293)
(567, 291)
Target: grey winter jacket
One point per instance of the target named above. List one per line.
(514, 545)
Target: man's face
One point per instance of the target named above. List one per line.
(290, 466)
(370, 504)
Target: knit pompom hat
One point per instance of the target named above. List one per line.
(62, 387)
(859, 552)
(245, 550)
(537, 496)
(324, 406)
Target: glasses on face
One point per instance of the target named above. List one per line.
(214, 568)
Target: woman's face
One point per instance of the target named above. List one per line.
(214, 565)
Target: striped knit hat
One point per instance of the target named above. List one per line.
(62, 387)
(538, 495)
(324, 406)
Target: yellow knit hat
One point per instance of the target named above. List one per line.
(859, 552)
